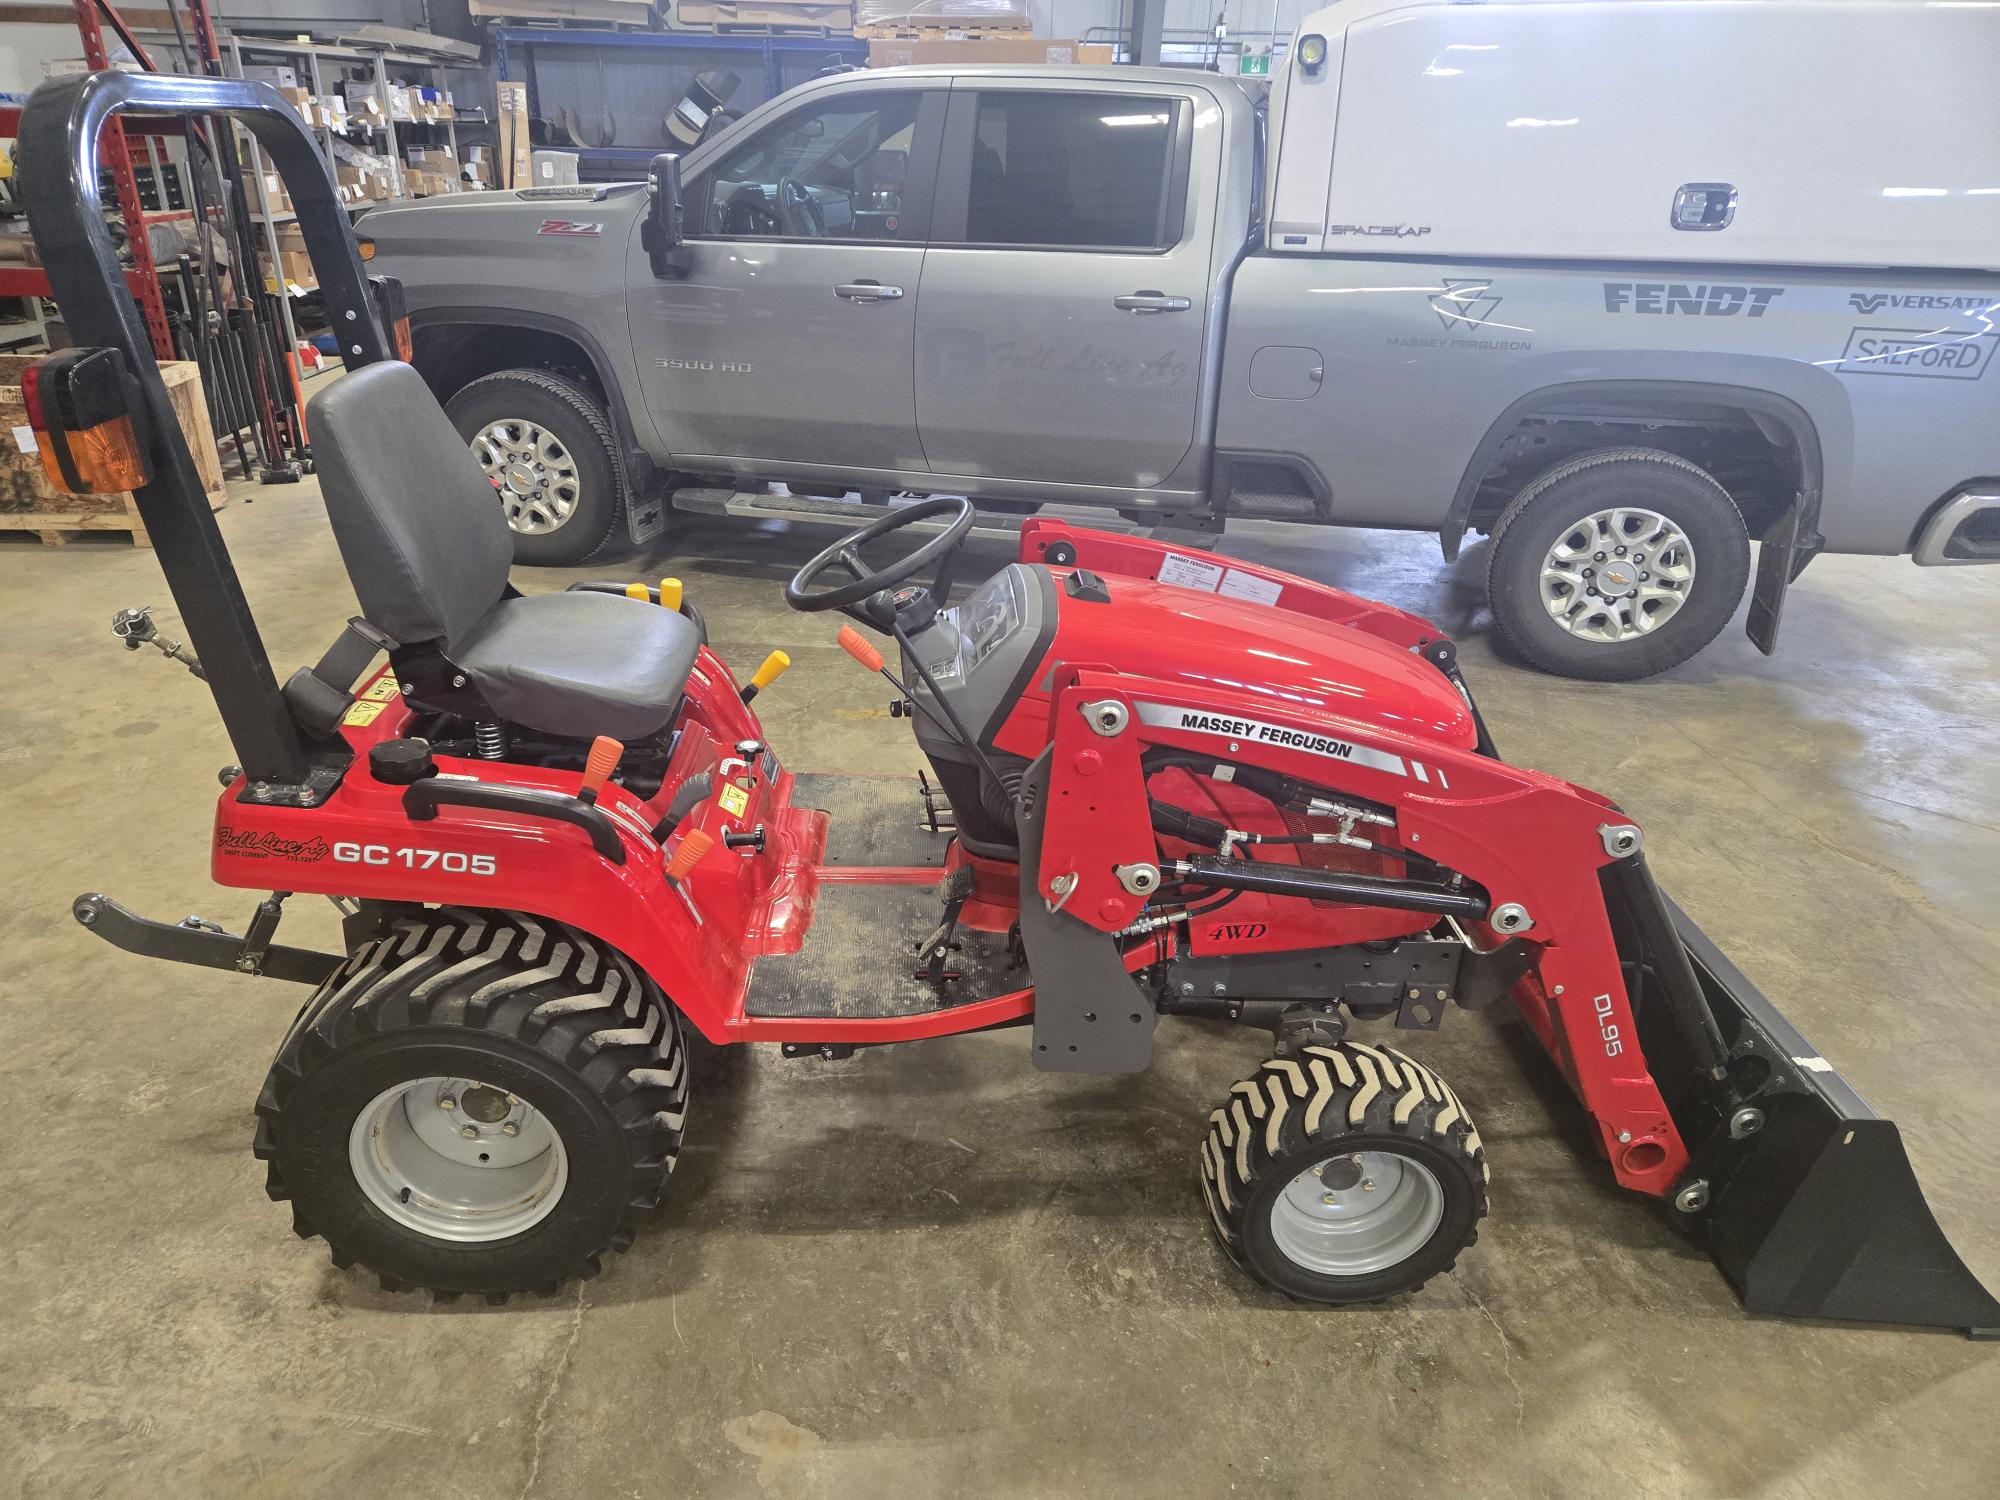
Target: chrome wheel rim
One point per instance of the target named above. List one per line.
(533, 473)
(458, 1160)
(1357, 1213)
(1617, 574)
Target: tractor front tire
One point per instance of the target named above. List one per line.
(476, 1102)
(1349, 1173)
(548, 446)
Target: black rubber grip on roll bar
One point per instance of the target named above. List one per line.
(1334, 885)
(423, 799)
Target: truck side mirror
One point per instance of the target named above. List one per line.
(663, 235)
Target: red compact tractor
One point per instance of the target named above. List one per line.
(1166, 785)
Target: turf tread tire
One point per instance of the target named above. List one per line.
(462, 975)
(596, 526)
(1327, 1099)
(1512, 575)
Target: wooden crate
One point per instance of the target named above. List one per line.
(28, 502)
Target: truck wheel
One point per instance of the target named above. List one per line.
(1347, 1174)
(475, 1102)
(548, 447)
(1616, 565)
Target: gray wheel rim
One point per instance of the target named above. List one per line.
(533, 472)
(1357, 1214)
(1617, 574)
(458, 1160)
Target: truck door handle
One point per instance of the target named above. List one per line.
(1141, 303)
(867, 291)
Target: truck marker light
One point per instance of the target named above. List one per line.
(79, 405)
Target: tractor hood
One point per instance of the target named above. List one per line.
(1180, 635)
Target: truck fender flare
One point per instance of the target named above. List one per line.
(1790, 541)
(638, 461)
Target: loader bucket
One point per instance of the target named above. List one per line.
(1801, 1192)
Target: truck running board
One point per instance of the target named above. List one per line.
(1801, 1192)
(992, 526)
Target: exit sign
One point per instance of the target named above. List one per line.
(1254, 65)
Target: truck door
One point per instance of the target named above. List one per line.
(791, 340)
(1059, 332)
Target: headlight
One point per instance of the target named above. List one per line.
(1312, 54)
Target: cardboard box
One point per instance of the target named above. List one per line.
(556, 168)
(903, 52)
(278, 78)
(515, 156)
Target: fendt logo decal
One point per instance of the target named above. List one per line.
(1669, 299)
(1873, 302)
(1195, 721)
(1931, 354)
(1465, 303)
(582, 228)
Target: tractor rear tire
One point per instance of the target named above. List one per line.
(476, 1102)
(1347, 1174)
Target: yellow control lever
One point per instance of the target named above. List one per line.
(773, 668)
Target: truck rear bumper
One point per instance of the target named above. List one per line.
(1965, 529)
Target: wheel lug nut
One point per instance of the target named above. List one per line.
(447, 1102)
(1599, 557)
(1320, 1170)
(1326, 1198)
(1367, 1184)
(510, 1128)
(470, 1132)
(1621, 551)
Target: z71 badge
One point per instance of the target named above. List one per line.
(581, 227)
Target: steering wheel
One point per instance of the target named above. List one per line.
(800, 594)
(804, 218)
(748, 212)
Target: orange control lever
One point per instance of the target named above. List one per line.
(856, 645)
(692, 851)
(605, 753)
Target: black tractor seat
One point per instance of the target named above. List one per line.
(427, 549)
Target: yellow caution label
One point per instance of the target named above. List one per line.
(735, 801)
(380, 691)
(365, 712)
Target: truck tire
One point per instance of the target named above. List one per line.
(549, 449)
(1346, 1174)
(475, 1102)
(1616, 565)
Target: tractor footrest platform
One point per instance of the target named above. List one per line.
(860, 960)
(874, 822)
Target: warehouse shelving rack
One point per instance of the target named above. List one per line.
(768, 65)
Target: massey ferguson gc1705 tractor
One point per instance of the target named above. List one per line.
(1166, 785)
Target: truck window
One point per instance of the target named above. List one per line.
(836, 172)
(1068, 170)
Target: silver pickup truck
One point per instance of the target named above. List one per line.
(1103, 287)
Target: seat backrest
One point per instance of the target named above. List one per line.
(426, 545)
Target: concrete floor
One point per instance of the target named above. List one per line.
(931, 1270)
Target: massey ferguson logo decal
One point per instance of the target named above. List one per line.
(578, 227)
(1465, 304)
(1874, 302)
(1194, 721)
(1934, 353)
(250, 844)
(1689, 300)
(1382, 231)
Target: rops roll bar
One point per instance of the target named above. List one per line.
(57, 169)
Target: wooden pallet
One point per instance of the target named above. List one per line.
(756, 28)
(913, 33)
